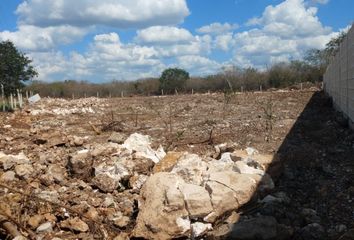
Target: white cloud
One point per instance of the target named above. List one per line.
(217, 28)
(283, 32)
(320, 1)
(200, 45)
(35, 38)
(223, 42)
(164, 35)
(115, 13)
(198, 65)
(106, 59)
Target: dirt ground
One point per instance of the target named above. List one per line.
(314, 145)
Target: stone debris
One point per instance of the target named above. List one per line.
(172, 195)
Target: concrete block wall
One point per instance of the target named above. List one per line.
(339, 77)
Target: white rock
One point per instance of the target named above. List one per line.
(141, 145)
(162, 212)
(108, 175)
(191, 168)
(243, 185)
(184, 224)
(45, 227)
(24, 170)
(245, 169)
(197, 200)
(198, 228)
(8, 176)
(8, 161)
(251, 151)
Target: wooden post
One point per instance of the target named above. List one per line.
(11, 101)
(19, 98)
(162, 92)
(122, 94)
(98, 95)
(301, 86)
(110, 95)
(261, 88)
(241, 88)
(3, 98)
(192, 91)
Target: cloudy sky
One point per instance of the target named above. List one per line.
(104, 40)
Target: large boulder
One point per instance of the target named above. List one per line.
(197, 200)
(191, 168)
(162, 214)
(243, 185)
(223, 199)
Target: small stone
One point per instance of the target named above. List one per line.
(45, 227)
(168, 162)
(122, 221)
(75, 224)
(122, 236)
(24, 170)
(117, 137)
(341, 228)
(78, 141)
(92, 214)
(20, 238)
(8, 176)
(35, 220)
(312, 231)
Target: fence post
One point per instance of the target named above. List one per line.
(122, 94)
(3, 98)
(11, 101)
(162, 92)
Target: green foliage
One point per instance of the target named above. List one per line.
(320, 59)
(173, 79)
(15, 67)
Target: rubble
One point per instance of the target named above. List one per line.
(65, 181)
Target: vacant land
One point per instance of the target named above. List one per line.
(313, 177)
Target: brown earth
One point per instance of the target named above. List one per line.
(314, 146)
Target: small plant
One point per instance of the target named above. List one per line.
(268, 111)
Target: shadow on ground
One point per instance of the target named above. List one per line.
(314, 188)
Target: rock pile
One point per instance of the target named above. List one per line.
(128, 189)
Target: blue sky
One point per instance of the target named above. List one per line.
(104, 40)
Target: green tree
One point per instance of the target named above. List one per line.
(15, 68)
(173, 78)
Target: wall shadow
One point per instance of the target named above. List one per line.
(314, 181)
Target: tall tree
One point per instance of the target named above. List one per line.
(321, 58)
(173, 79)
(15, 68)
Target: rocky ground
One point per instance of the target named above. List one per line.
(270, 165)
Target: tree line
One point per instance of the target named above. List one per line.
(16, 70)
